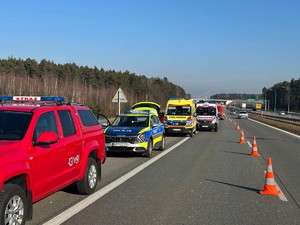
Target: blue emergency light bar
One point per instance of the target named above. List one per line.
(133, 111)
(33, 98)
(6, 98)
(172, 98)
(53, 98)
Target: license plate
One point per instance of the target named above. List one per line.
(176, 129)
(205, 126)
(119, 144)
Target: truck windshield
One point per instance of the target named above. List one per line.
(13, 125)
(206, 111)
(179, 110)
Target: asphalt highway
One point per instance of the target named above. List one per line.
(208, 179)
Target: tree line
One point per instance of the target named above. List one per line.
(282, 96)
(94, 87)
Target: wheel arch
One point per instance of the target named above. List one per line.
(22, 180)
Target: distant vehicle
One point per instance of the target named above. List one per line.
(243, 115)
(180, 117)
(221, 111)
(135, 131)
(282, 113)
(207, 116)
(232, 112)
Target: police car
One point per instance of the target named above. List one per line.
(135, 131)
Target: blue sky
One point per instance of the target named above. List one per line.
(206, 47)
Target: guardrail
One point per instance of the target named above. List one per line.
(283, 118)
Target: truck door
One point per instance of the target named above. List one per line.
(48, 159)
(73, 143)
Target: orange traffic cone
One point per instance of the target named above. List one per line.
(254, 148)
(270, 187)
(242, 138)
(238, 127)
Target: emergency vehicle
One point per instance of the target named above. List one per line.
(180, 117)
(221, 111)
(46, 145)
(135, 131)
(207, 116)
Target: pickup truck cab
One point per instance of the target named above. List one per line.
(45, 145)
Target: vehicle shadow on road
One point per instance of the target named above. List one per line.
(234, 185)
(239, 153)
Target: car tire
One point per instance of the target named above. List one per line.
(13, 205)
(162, 144)
(216, 128)
(191, 133)
(88, 183)
(149, 149)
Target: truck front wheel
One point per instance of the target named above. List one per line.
(88, 183)
(13, 205)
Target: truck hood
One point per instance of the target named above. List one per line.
(124, 130)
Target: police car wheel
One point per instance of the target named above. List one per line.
(162, 144)
(149, 149)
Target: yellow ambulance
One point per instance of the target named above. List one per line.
(180, 117)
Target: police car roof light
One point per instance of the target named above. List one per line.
(132, 111)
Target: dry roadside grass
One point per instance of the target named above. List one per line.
(293, 128)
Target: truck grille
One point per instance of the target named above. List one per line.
(176, 123)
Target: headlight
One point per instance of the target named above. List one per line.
(189, 122)
(141, 137)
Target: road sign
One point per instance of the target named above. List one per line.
(119, 96)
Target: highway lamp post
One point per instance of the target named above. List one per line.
(289, 100)
(275, 101)
(267, 105)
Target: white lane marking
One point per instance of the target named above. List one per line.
(248, 142)
(295, 135)
(281, 195)
(62, 217)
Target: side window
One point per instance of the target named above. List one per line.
(67, 122)
(154, 120)
(46, 122)
(87, 118)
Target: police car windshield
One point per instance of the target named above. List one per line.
(179, 110)
(131, 121)
(206, 111)
(13, 125)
